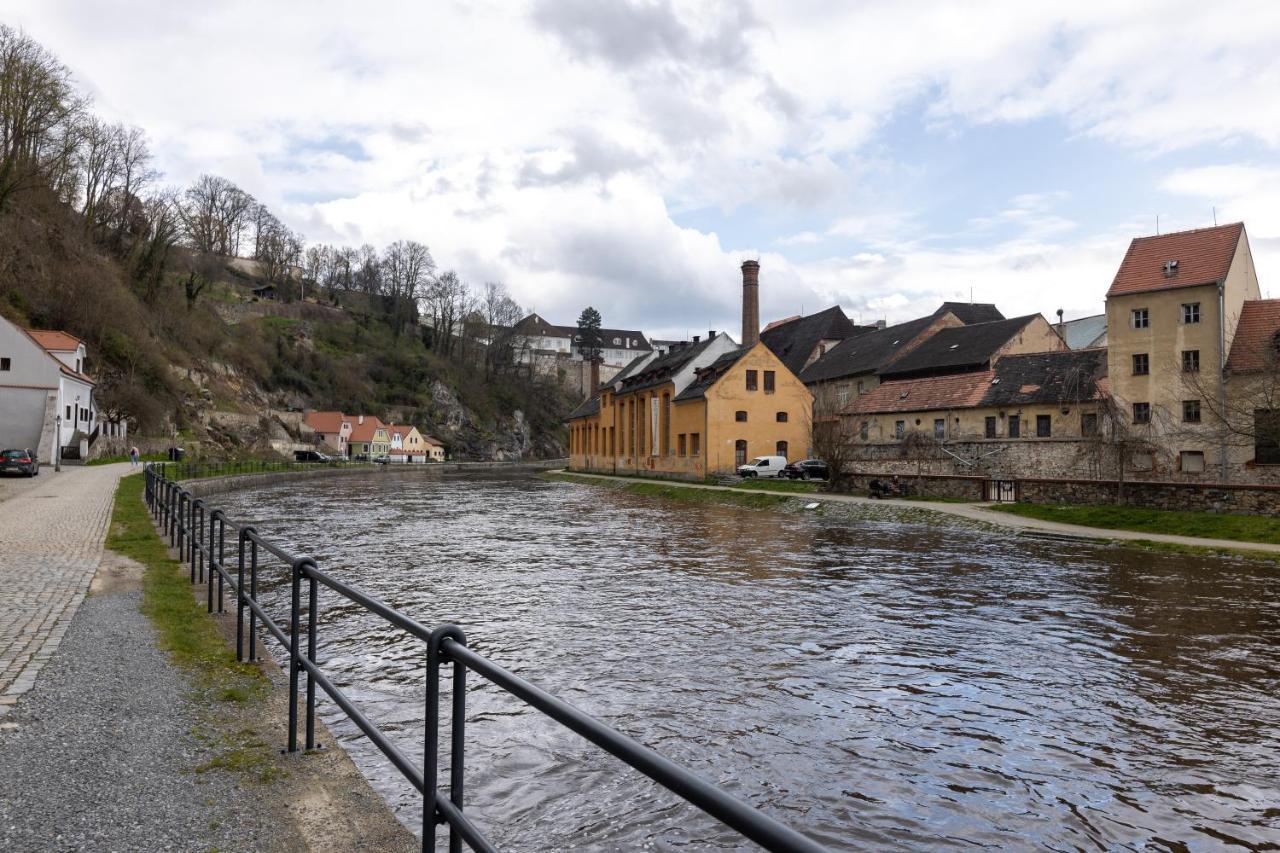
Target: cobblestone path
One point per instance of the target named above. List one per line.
(51, 541)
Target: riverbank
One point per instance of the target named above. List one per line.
(986, 514)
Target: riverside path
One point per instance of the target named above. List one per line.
(52, 530)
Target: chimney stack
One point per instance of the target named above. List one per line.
(750, 303)
(595, 377)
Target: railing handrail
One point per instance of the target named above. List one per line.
(200, 537)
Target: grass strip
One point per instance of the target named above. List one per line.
(1203, 525)
(686, 494)
(186, 631)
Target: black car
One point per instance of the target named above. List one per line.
(806, 469)
(309, 456)
(16, 461)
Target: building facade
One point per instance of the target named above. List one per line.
(46, 399)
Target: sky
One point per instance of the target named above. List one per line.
(882, 156)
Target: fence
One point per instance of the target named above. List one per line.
(199, 534)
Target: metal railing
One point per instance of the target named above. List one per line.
(199, 535)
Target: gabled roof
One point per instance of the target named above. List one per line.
(664, 367)
(364, 432)
(1256, 346)
(1204, 256)
(957, 349)
(795, 340)
(323, 422)
(961, 391)
(865, 353)
(1067, 376)
(970, 312)
(55, 341)
(535, 326)
(1083, 332)
(585, 409)
(709, 375)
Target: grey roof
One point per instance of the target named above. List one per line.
(865, 353)
(1067, 376)
(534, 326)
(663, 367)
(957, 349)
(586, 408)
(970, 313)
(1084, 332)
(794, 341)
(708, 375)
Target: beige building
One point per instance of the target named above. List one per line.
(1172, 313)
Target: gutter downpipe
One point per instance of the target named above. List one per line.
(1222, 378)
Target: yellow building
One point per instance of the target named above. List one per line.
(369, 438)
(1172, 312)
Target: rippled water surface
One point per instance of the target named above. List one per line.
(876, 684)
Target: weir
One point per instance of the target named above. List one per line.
(199, 533)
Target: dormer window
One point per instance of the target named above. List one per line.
(1170, 268)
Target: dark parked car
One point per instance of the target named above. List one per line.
(309, 456)
(807, 469)
(15, 461)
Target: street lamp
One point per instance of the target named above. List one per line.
(57, 444)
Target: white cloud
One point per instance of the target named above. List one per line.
(551, 143)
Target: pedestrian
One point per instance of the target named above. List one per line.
(134, 456)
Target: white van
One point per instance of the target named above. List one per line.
(763, 466)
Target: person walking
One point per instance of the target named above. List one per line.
(134, 456)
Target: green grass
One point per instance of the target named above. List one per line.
(107, 460)
(185, 629)
(1206, 525)
(791, 487)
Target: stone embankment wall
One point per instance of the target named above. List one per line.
(1243, 499)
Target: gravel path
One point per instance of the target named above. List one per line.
(100, 754)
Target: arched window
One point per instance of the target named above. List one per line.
(782, 417)
(781, 449)
(740, 451)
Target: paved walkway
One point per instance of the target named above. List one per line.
(51, 541)
(981, 512)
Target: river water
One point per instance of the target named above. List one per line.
(878, 684)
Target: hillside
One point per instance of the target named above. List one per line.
(226, 369)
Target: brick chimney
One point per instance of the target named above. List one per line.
(595, 377)
(750, 303)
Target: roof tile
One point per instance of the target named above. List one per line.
(1256, 345)
(1204, 256)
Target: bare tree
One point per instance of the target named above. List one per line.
(406, 267)
(830, 438)
(1243, 412)
(501, 313)
(152, 253)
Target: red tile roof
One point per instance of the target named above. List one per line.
(363, 432)
(1256, 345)
(55, 341)
(960, 391)
(1203, 255)
(323, 422)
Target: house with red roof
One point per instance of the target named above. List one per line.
(332, 429)
(46, 399)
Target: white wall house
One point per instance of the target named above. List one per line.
(46, 400)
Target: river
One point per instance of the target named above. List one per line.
(878, 684)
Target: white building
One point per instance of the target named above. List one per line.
(541, 339)
(46, 400)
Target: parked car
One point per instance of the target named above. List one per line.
(763, 466)
(807, 469)
(310, 456)
(382, 459)
(16, 461)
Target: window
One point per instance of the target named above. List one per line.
(1044, 426)
(780, 449)
(77, 365)
(666, 424)
(1266, 436)
(940, 428)
(695, 443)
(1141, 319)
(844, 397)
(782, 417)
(1191, 313)
(1089, 424)
(863, 429)
(740, 416)
(680, 444)
(1141, 364)
(899, 429)
(991, 427)
(1142, 461)
(860, 387)
(1191, 361)
(740, 451)
(751, 380)
(68, 413)
(768, 382)
(1191, 411)
(1142, 413)
(1015, 426)
(5, 364)
(1191, 461)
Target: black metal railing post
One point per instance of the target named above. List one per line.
(295, 664)
(240, 594)
(313, 611)
(212, 555)
(431, 759)
(253, 595)
(222, 559)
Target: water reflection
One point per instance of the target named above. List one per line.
(877, 684)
